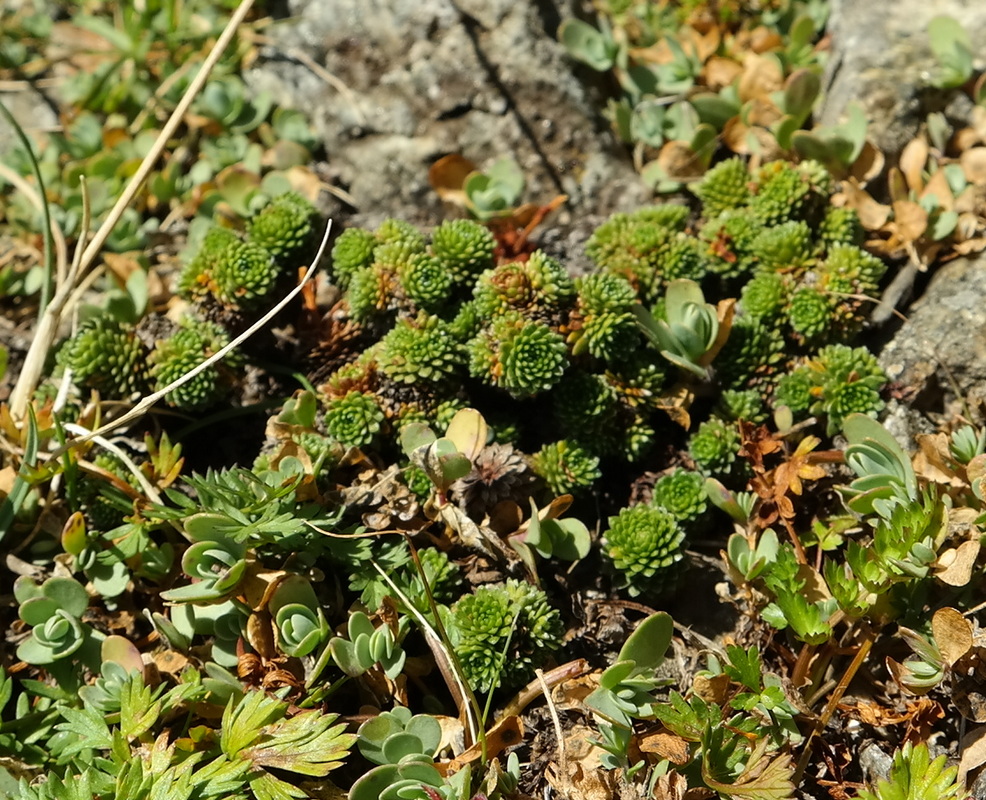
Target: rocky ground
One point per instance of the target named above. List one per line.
(392, 86)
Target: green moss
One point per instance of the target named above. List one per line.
(751, 353)
(521, 356)
(599, 292)
(403, 234)
(351, 253)
(501, 633)
(566, 466)
(746, 404)
(610, 336)
(371, 292)
(644, 543)
(840, 380)
(465, 248)
(714, 446)
(245, 276)
(285, 228)
(193, 343)
(105, 354)
(587, 407)
(427, 282)
(723, 188)
(195, 281)
(354, 420)
(645, 248)
(786, 247)
(420, 349)
(787, 192)
(794, 390)
(764, 295)
(730, 238)
(840, 226)
(850, 398)
(681, 492)
(810, 313)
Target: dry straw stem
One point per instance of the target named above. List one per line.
(47, 330)
(148, 401)
(22, 186)
(466, 699)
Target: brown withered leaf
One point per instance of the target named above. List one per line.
(937, 187)
(761, 76)
(973, 749)
(933, 461)
(584, 777)
(448, 174)
(667, 746)
(170, 661)
(712, 689)
(260, 634)
(766, 776)
(720, 72)
(508, 732)
(953, 634)
(872, 215)
(679, 162)
(973, 163)
(676, 403)
(909, 223)
(916, 714)
(955, 565)
(913, 159)
(969, 682)
(868, 164)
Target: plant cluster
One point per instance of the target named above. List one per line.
(235, 151)
(411, 538)
(689, 83)
(448, 320)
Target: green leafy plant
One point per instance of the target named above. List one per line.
(673, 105)
(688, 334)
(914, 775)
(495, 192)
(54, 610)
(626, 688)
(951, 45)
(368, 646)
(393, 735)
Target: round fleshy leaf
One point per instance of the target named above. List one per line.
(399, 745)
(344, 654)
(428, 730)
(121, 651)
(293, 589)
(62, 634)
(174, 637)
(37, 610)
(69, 594)
(363, 653)
(205, 527)
(109, 580)
(374, 783)
(25, 588)
(34, 652)
(74, 534)
(374, 732)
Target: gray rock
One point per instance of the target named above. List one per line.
(30, 110)
(425, 78)
(939, 355)
(881, 58)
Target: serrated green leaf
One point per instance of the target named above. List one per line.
(763, 777)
